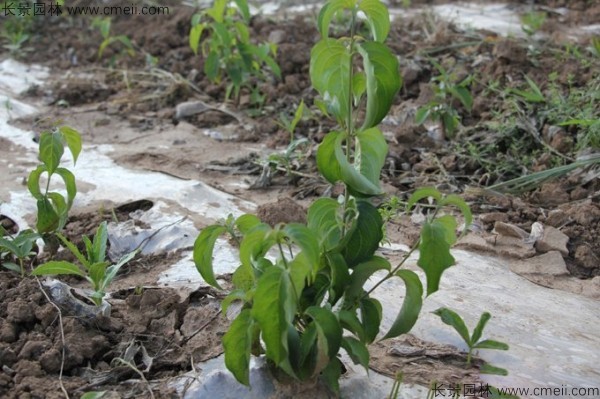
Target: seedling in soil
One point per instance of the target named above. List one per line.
(94, 265)
(15, 251)
(16, 29)
(307, 301)
(532, 21)
(104, 24)
(473, 341)
(440, 109)
(53, 207)
(290, 125)
(228, 50)
(533, 95)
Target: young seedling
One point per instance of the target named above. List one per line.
(533, 95)
(532, 21)
(290, 125)
(19, 247)
(104, 25)
(228, 50)
(301, 306)
(473, 341)
(94, 266)
(53, 207)
(440, 109)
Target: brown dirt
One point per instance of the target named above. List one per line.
(173, 331)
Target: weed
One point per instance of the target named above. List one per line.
(94, 266)
(532, 21)
(473, 341)
(440, 109)
(301, 306)
(290, 125)
(19, 247)
(53, 207)
(17, 28)
(228, 50)
(104, 25)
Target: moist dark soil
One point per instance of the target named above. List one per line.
(176, 331)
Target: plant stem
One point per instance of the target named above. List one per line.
(349, 122)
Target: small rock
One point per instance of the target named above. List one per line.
(550, 263)
(32, 349)
(591, 288)
(277, 36)
(510, 230)
(20, 312)
(494, 217)
(189, 108)
(585, 256)
(498, 244)
(51, 361)
(553, 240)
(8, 332)
(557, 218)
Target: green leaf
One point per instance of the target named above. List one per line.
(350, 322)
(255, 245)
(350, 173)
(370, 153)
(297, 116)
(449, 223)
(12, 266)
(56, 268)
(74, 250)
(422, 115)
(96, 274)
(300, 268)
(478, 331)
(322, 220)
(211, 66)
(51, 150)
(331, 374)
(99, 244)
(535, 89)
(330, 75)
(329, 325)
(70, 184)
(105, 43)
(47, 218)
(359, 85)
(326, 159)
(383, 80)
(370, 312)
(365, 237)
(489, 369)
(340, 276)
(306, 240)
(235, 295)
(491, 344)
(247, 222)
(244, 9)
(421, 194)
(378, 18)
(93, 395)
(463, 95)
(362, 272)
(33, 181)
(195, 35)
(217, 11)
(411, 307)
(73, 140)
(237, 343)
(434, 253)
(9, 245)
(203, 253)
(357, 351)
(452, 318)
(309, 337)
(60, 206)
(457, 201)
(329, 10)
(274, 308)
(112, 271)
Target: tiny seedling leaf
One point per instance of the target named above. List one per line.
(452, 318)
(357, 351)
(491, 344)
(489, 369)
(73, 140)
(203, 253)
(56, 268)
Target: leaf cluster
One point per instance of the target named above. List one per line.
(53, 206)
(228, 50)
(94, 265)
(446, 88)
